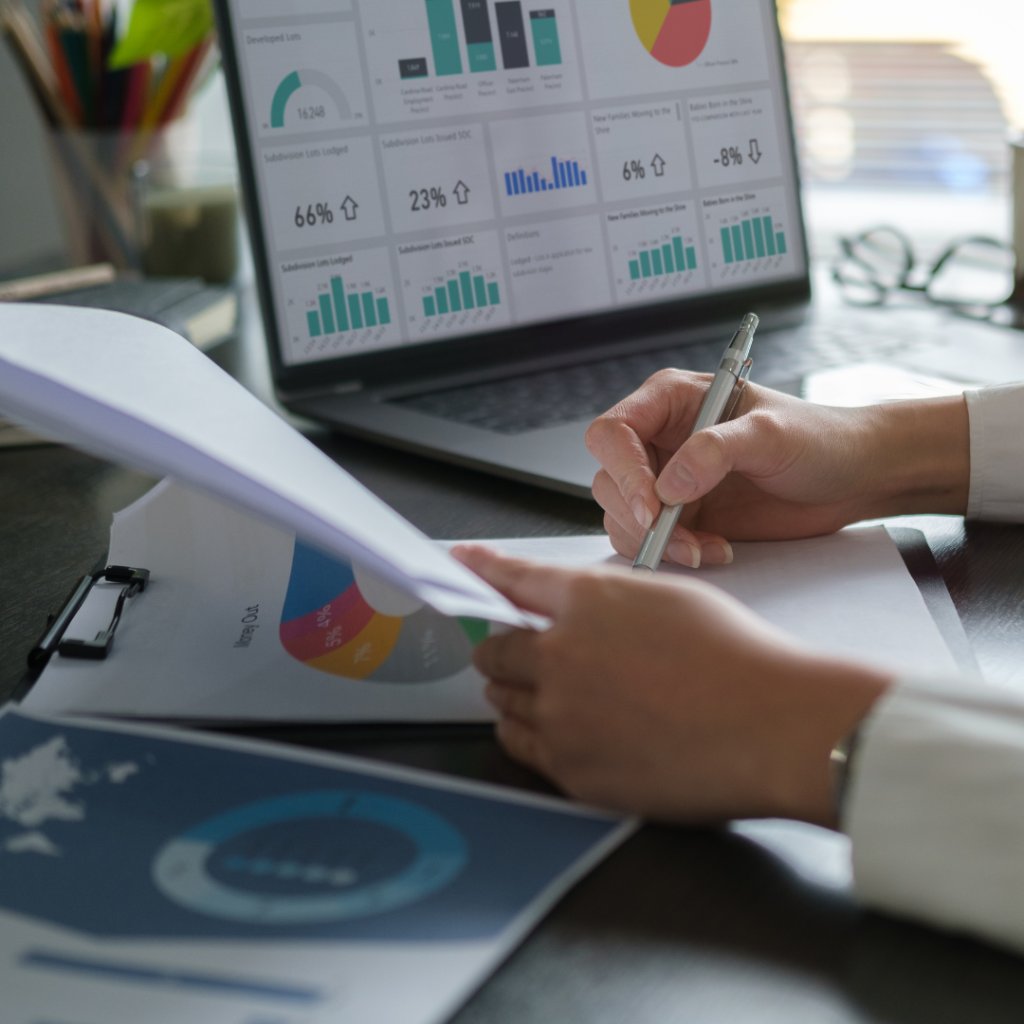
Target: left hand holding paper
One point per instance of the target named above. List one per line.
(665, 698)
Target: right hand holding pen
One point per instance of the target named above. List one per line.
(780, 469)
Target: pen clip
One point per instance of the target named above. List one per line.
(737, 391)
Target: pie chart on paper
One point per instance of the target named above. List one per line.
(341, 620)
(674, 32)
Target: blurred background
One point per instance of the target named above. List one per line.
(903, 109)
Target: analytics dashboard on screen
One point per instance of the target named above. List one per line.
(427, 169)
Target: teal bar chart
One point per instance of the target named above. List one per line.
(481, 46)
(545, 38)
(479, 41)
(444, 38)
(339, 312)
(751, 239)
(463, 292)
(670, 258)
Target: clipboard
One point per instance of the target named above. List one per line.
(175, 504)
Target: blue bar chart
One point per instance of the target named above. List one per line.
(562, 174)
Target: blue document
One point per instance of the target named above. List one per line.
(149, 875)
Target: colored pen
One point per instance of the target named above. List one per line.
(718, 405)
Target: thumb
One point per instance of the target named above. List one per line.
(746, 445)
(533, 587)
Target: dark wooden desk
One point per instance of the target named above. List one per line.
(680, 924)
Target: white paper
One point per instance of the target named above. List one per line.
(150, 877)
(205, 640)
(134, 392)
(847, 594)
(873, 384)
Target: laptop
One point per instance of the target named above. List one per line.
(479, 223)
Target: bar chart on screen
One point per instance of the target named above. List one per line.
(543, 163)
(747, 234)
(564, 174)
(435, 57)
(452, 285)
(338, 304)
(655, 251)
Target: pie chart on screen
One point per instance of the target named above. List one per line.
(674, 32)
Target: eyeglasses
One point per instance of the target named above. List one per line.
(973, 276)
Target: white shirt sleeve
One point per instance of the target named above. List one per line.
(997, 453)
(935, 799)
(935, 808)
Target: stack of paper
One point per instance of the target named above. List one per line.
(139, 394)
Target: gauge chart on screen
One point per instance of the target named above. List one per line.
(339, 619)
(674, 32)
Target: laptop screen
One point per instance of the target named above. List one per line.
(423, 170)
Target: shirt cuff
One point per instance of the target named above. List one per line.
(996, 417)
(935, 808)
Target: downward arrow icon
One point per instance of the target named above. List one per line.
(755, 151)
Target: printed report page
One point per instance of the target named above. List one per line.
(433, 168)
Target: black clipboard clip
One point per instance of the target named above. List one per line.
(134, 582)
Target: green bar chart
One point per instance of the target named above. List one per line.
(545, 38)
(338, 312)
(671, 257)
(751, 239)
(476, 23)
(462, 292)
(444, 38)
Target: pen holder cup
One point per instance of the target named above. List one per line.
(138, 201)
(92, 174)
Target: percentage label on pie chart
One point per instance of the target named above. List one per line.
(674, 32)
(310, 80)
(343, 621)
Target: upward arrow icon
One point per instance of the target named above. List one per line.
(349, 208)
(658, 164)
(462, 191)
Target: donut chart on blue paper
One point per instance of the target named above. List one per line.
(308, 858)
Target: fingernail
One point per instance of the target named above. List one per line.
(684, 553)
(717, 552)
(676, 484)
(642, 512)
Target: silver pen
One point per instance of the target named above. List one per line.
(718, 406)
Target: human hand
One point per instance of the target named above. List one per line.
(665, 697)
(781, 468)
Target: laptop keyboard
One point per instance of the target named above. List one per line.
(516, 405)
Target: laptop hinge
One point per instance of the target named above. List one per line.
(346, 387)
